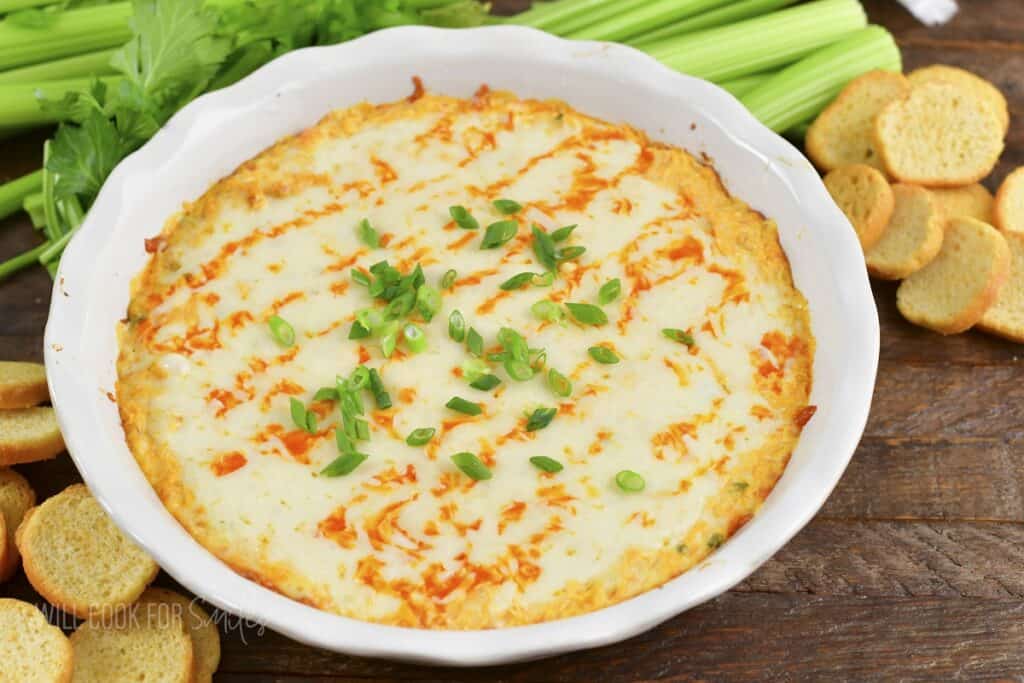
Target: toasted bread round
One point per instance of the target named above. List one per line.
(145, 643)
(77, 559)
(1008, 210)
(864, 195)
(953, 292)
(912, 238)
(973, 201)
(16, 497)
(22, 385)
(1006, 317)
(198, 624)
(29, 435)
(939, 134)
(31, 650)
(987, 92)
(844, 133)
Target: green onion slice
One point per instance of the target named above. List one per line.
(498, 234)
(570, 253)
(629, 481)
(517, 281)
(547, 310)
(303, 419)
(449, 278)
(361, 277)
(358, 331)
(603, 355)
(360, 378)
(562, 234)
(545, 279)
(559, 383)
(540, 418)
(463, 218)
(544, 248)
(382, 398)
(471, 466)
(507, 207)
(415, 339)
(474, 342)
(326, 394)
(388, 337)
(680, 336)
(421, 436)
(428, 302)
(461, 405)
(588, 314)
(282, 331)
(474, 368)
(609, 291)
(485, 382)
(456, 326)
(367, 235)
(543, 462)
(715, 540)
(344, 464)
(517, 369)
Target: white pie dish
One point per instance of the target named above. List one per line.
(211, 136)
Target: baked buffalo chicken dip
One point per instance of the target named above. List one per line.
(465, 363)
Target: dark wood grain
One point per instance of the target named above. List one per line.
(913, 570)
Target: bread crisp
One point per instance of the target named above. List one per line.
(145, 644)
(16, 497)
(1006, 317)
(844, 133)
(29, 435)
(864, 195)
(973, 201)
(987, 92)
(1008, 210)
(198, 624)
(77, 559)
(953, 292)
(912, 238)
(31, 650)
(939, 134)
(22, 385)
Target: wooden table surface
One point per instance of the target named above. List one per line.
(913, 570)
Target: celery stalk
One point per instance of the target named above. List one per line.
(14, 192)
(738, 87)
(650, 16)
(545, 15)
(762, 43)
(19, 104)
(730, 14)
(33, 206)
(799, 92)
(15, 5)
(90, 64)
(582, 20)
(73, 32)
(12, 266)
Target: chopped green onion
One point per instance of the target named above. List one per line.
(562, 234)
(362, 429)
(544, 248)
(463, 218)
(382, 398)
(388, 337)
(485, 382)
(449, 279)
(716, 540)
(680, 336)
(609, 292)
(507, 207)
(428, 302)
(358, 331)
(498, 234)
(518, 370)
(360, 378)
(538, 359)
(367, 235)
(498, 357)
(514, 343)
(360, 277)
(303, 419)
(344, 464)
(370, 319)
(540, 418)
(474, 342)
(559, 383)
(415, 339)
(474, 368)
(400, 306)
(326, 394)
(740, 486)
(461, 405)
(588, 314)
(471, 466)
(545, 279)
(547, 310)
(421, 436)
(342, 440)
(282, 331)
(603, 355)
(517, 281)
(629, 481)
(569, 253)
(456, 326)
(549, 465)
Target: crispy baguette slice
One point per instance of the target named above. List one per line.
(952, 293)
(29, 435)
(146, 644)
(864, 195)
(951, 74)
(198, 624)
(1006, 317)
(940, 134)
(844, 133)
(973, 201)
(31, 650)
(16, 497)
(912, 238)
(22, 385)
(77, 559)
(1008, 210)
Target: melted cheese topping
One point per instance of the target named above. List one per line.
(407, 538)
